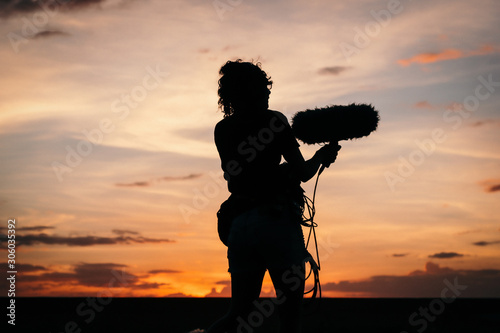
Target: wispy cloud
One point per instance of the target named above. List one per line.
(124, 232)
(188, 177)
(485, 122)
(490, 185)
(158, 180)
(446, 255)
(49, 33)
(25, 268)
(43, 238)
(334, 70)
(448, 54)
(98, 275)
(424, 105)
(86, 274)
(134, 184)
(34, 228)
(399, 255)
(484, 243)
(163, 271)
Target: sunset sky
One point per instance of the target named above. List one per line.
(107, 110)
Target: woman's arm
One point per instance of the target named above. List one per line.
(305, 170)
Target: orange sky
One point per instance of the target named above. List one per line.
(109, 167)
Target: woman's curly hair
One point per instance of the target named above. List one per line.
(240, 83)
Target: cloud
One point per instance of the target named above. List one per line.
(179, 295)
(486, 122)
(399, 255)
(448, 54)
(149, 285)
(24, 268)
(34, 228)
(490, 185)
(134, 184)
(49, 33)
(123, 232)
(164, 271)
(188, 177)
(484, 243)
(225, 291)
(493, 188)
(43, 238)
(446, 255)
(161, 179)
(19, 7)
(424, 105)
(431, 282)
(334, 70)
(100, 275)
(111, 276)
(89, 274)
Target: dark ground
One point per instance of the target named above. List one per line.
(181, 315)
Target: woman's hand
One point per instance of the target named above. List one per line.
(328, 153)
(305, 170)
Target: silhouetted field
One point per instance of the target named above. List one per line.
(181, 315)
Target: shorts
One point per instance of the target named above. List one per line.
(266, 237)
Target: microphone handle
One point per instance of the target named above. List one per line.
(326, 165)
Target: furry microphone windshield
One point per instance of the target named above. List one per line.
(335, 123)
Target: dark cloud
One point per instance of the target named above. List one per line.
(49, 33)
(113, 277)
(29, 240)
(109, 275)
(179, 295)
(24, 268)
(490, 185)
(100, 275)
(124, 232)
(21, 7)
(446, 255)
(163, 271)
(225, 292)
(161, 179)
(399, 255)
(493, 188)
(53, 277)
(134, 184)
(484, 243)
(27, 268)
(148, 285)
(190, 176)
(431, 282)
(334, 70)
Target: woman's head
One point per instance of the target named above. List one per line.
(243, 87)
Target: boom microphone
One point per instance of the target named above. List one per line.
(334, 123)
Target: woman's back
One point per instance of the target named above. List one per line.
(250, 147)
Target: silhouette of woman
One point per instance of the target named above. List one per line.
(263, 229)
